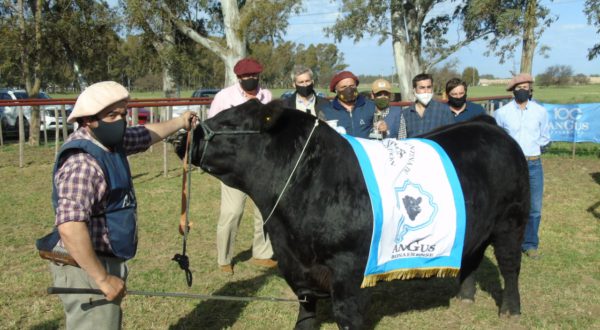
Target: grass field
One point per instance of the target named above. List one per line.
(559, 291)
(568, 94)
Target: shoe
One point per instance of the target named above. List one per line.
(226, 269)
(267, 263)
(532, 253)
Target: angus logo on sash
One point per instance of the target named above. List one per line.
(418, 209)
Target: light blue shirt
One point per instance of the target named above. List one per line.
(529, 127)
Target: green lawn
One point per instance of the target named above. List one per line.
(559, 291)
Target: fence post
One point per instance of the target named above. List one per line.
(151, 121)
(1, 135)
(56, 132)
(21, 136)
(43, 120)
(63, 115)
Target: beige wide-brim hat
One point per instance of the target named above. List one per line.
(96, 98)
(519, 79)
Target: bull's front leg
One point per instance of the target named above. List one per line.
(348, 300)
(307, 315)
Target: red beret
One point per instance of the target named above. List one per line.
(247, 66)
(339, 77)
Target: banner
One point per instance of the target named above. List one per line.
(574, 122)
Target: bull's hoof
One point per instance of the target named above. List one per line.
(307, 323)
(509, 316)
(467, 301)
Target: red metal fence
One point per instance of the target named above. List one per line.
(157, 108)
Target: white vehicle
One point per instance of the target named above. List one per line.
(50, 119)
(203, 92)
(9, 115)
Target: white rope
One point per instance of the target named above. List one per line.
(293, 171)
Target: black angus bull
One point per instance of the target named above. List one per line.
(321, 229)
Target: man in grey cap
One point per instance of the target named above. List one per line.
(95, 204)
(527, 122)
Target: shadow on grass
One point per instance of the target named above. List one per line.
(388, 298)
(50, 324)
(218, 314)
(392, 298)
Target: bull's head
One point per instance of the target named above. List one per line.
(249, 139)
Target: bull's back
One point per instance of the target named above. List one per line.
(492, 171)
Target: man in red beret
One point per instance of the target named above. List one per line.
(233, 201)
(352, 111)
(527, 122)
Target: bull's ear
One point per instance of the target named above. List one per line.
(271, 115)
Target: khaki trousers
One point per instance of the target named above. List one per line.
(232, 209)
(89, 311)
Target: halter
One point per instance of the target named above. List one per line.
(209, 134)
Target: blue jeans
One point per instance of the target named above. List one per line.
(536, 187)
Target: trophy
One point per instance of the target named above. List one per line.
(375, 134)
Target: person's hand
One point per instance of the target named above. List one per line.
(113, 287)
(381, 126)
(188, 117)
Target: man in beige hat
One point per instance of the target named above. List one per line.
(95, 204)
(527, 122)
(381, 93)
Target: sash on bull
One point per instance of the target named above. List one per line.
(321, 219)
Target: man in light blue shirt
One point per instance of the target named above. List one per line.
(527, 122)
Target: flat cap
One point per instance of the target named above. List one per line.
(96, 98)
(519, 79)
(247, 66)
(381, 85)
(339, 77)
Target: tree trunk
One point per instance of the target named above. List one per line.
(235, 38)
(406, 23)
(32, 80)
(529, 42)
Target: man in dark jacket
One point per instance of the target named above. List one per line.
(305, 98)
(352, 111)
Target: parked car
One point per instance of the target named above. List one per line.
(201, 92)
(50, 119)
(9, 115)
(143, 116)
(205, 92)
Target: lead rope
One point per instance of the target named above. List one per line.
(182, 259)
(293, 171)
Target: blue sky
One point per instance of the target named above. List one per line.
(569, 39)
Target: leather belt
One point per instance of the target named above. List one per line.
(532, 157)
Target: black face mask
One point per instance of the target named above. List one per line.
(457, 102)
(249, 85)
(110, 134)
(522, 95)
(305, 90)
(349, 94)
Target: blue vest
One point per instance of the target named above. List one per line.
(121, 206)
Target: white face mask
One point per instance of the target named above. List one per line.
(424, 98)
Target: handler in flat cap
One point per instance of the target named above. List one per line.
(527, 122)
(352, 111)
(95, 204)
(233, 201)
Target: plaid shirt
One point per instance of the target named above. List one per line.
(82, 188)
(436, 114)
